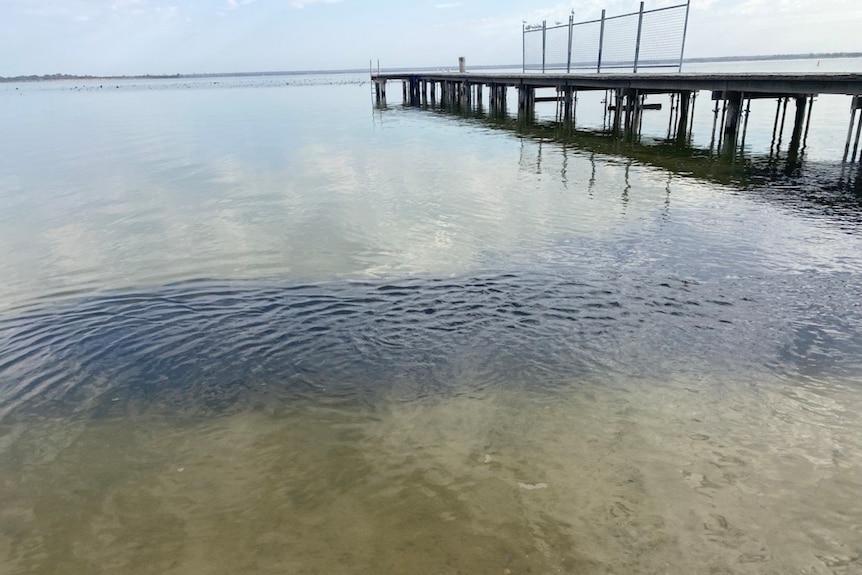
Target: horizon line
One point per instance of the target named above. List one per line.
(701, 59)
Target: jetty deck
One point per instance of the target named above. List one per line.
(789, 84)
(627, 91)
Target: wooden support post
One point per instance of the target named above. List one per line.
(618, 99)
(567, 106)
(643, 106)
(781, 127)
(682, 122)
(731, 122)
(404, 91)
(630, 105)
(670, 116)
(798, 121)
(721, 124)
(560, 104)
(691, 119)
(775, 128)
(854, 105)
(807, 121)
(637, 114)
(607, 102)
(714, 123)
(380, 91)
(745, 124)
(574, 108)
(856, 141)
(526, 102)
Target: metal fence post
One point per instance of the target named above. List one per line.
(684, 31)
(569, 57)
(601, 43)
(544, 38)
(523, 47)
(638, 42)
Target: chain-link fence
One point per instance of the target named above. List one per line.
(643, 39)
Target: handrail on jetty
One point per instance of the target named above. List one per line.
(626, 93)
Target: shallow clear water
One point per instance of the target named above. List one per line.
(259, 326)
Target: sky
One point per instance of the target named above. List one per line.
(130, 37)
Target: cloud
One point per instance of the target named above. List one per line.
(304, 3)
(234, 4)
(118, 5)
(88, 10)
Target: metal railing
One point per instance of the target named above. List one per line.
(643, 39)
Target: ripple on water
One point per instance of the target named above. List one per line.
(220, 346)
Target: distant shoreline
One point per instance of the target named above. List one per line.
(53, 77)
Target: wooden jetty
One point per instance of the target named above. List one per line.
(624, 102)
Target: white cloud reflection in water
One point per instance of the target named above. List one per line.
(156, 186)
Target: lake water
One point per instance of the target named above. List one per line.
(257, 325)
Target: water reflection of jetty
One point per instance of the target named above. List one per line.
(626, 93)
(816, 184)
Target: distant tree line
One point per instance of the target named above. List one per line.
(49, 77)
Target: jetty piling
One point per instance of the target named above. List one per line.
(685, 106)
(855, 106)
(798, 126)
(733, 107)
(746, 115)
(380, 91)
(783, 103)
(670, 118)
